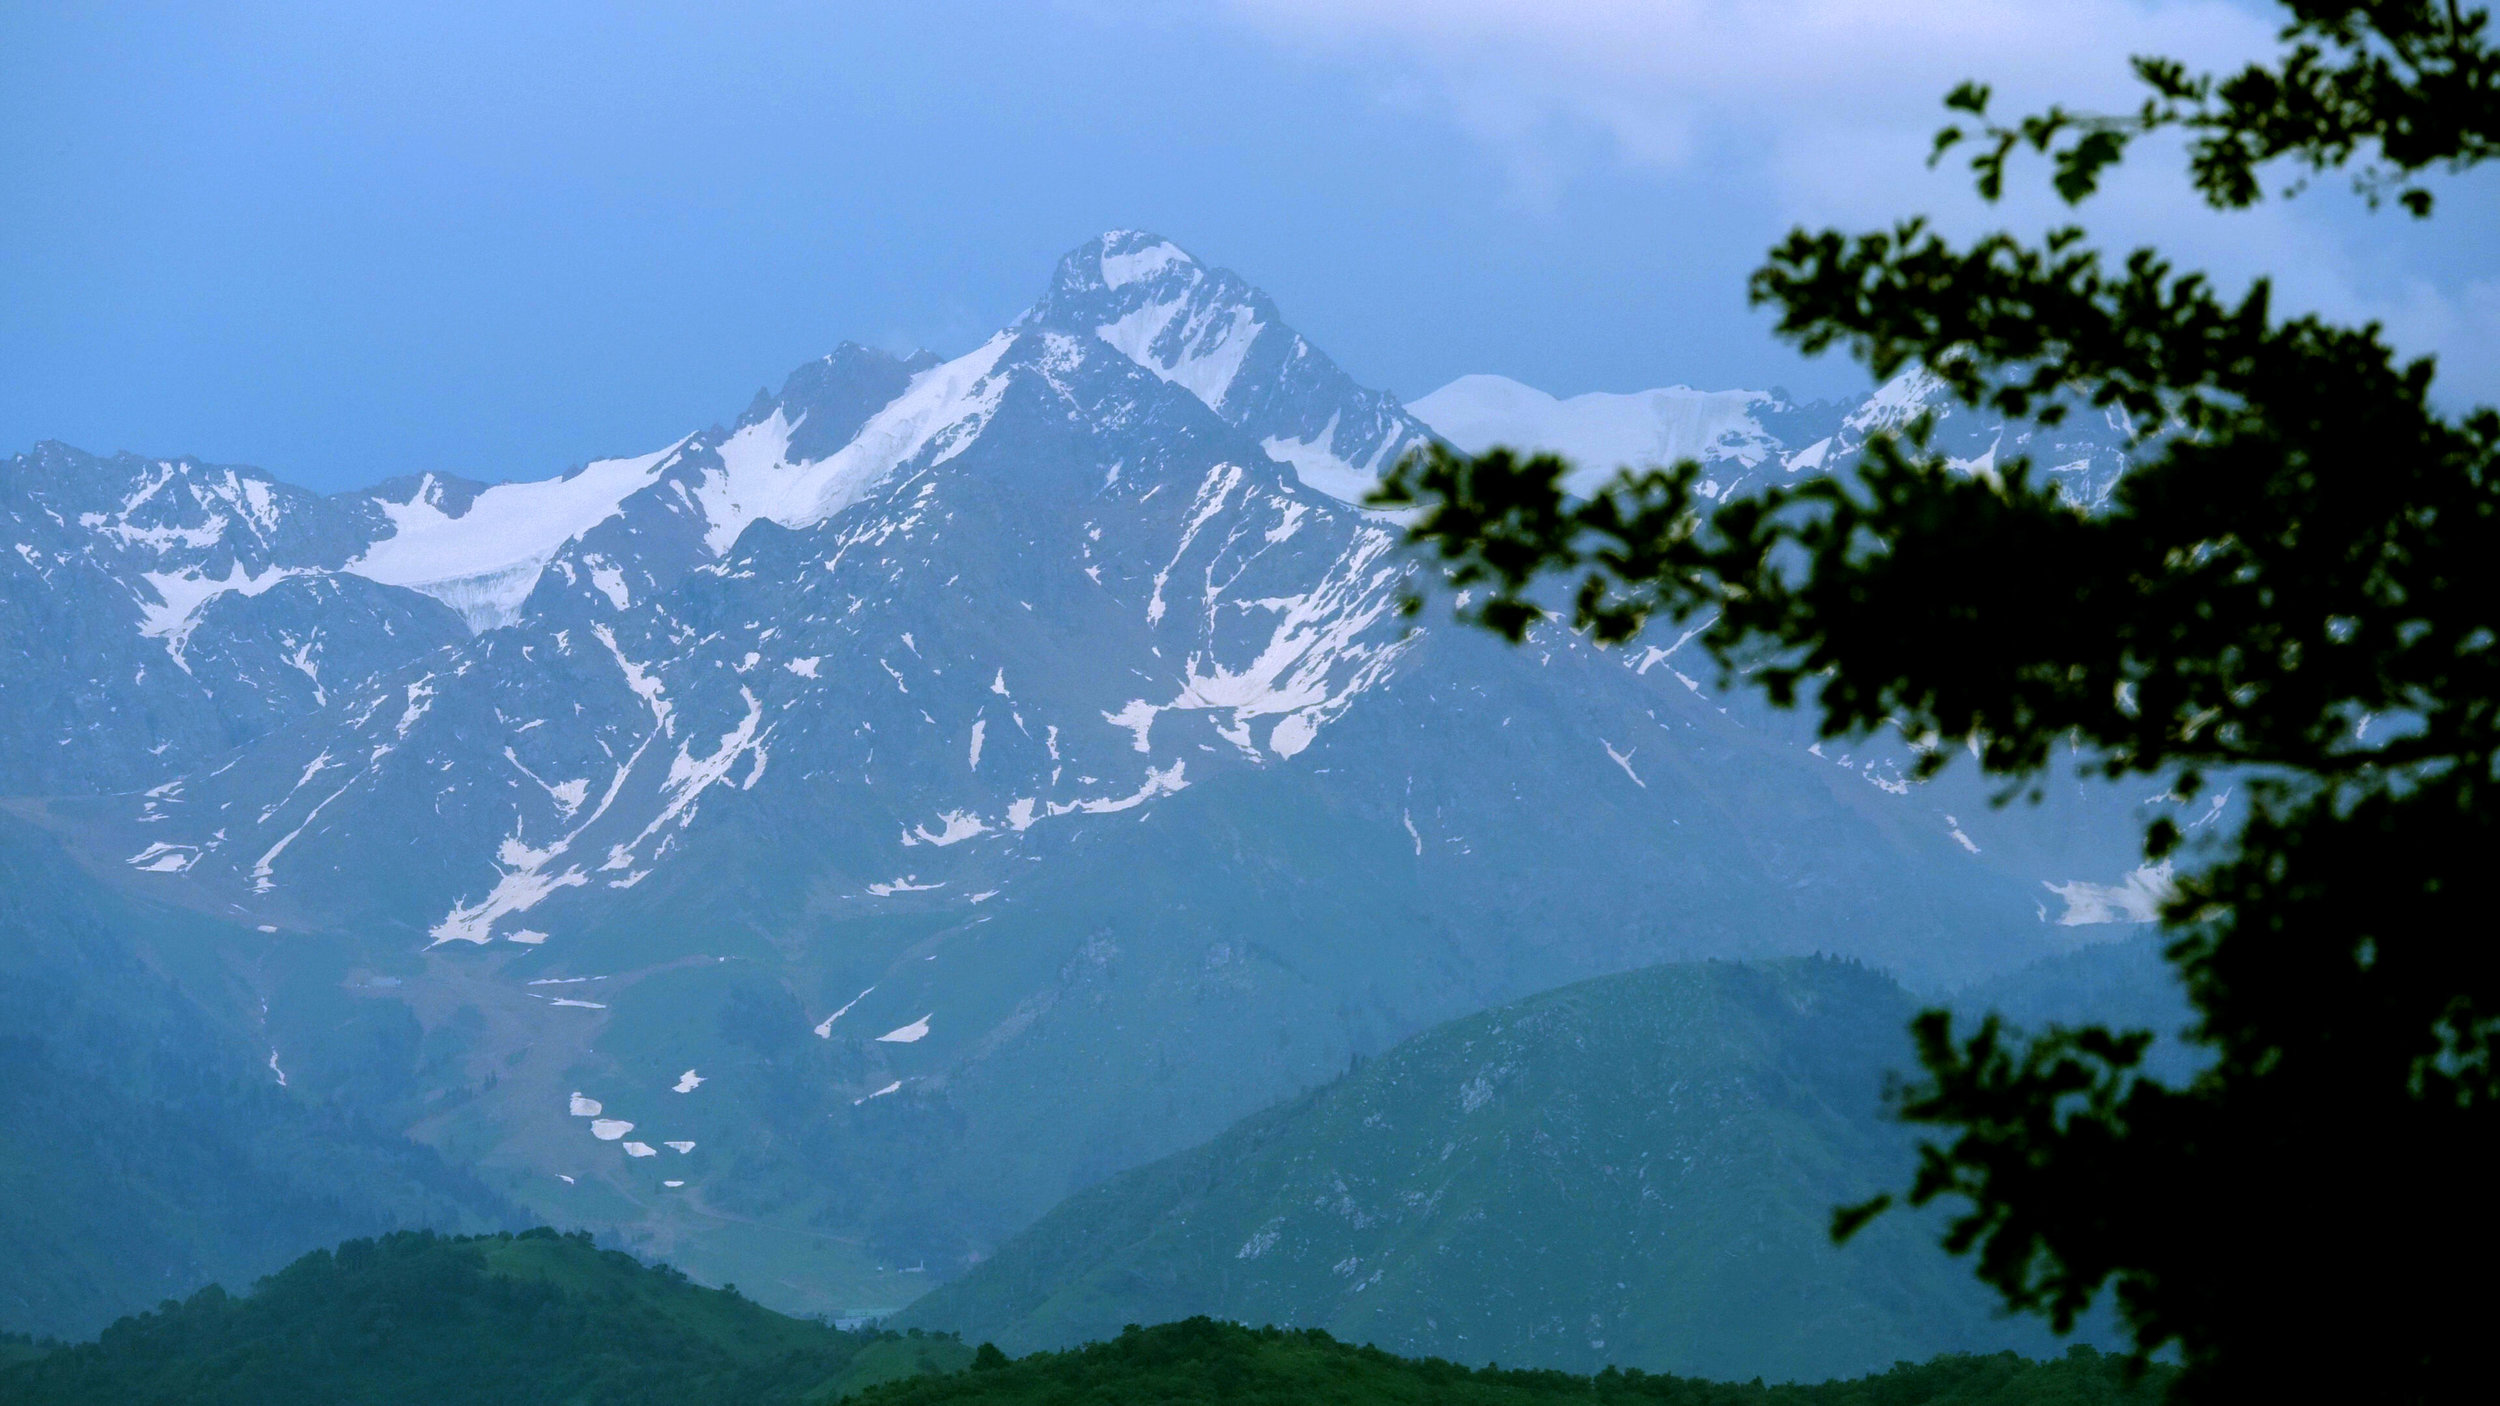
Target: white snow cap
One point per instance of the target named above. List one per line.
(484, 560)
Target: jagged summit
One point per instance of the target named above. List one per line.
(1209, 331)
(1120, 258)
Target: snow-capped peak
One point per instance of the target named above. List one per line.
(1209, 332)
(1912, 393)
(1146, 297)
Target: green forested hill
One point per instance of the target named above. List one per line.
(504, 1319)
(146, 1145)
(1637, 1170)
(1201, 1360)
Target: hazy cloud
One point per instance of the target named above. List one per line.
(1824, 109)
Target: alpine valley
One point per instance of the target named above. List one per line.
(810, 851)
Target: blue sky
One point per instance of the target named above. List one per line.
(347, 241)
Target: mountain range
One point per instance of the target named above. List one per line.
(812, 849)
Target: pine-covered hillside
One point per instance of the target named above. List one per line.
(1636, 1170)
(510, 1319)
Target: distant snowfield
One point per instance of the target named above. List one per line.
(1599, 433)
(483, 562)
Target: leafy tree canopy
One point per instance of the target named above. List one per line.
(1200, 1359)
(2292, 588)
(536, 1317)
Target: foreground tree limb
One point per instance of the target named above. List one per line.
(2296, 584)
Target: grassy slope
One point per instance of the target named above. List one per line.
(1633, 1170)
(415, 1317)
(1201, 1360)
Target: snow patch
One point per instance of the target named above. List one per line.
(162, 858)
(911, 1034)
(611, 583)
(2137, 898)
(825, 1031)
(182, 595)
(1138, 716)
(956, 826)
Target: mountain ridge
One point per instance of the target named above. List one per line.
(975, 772)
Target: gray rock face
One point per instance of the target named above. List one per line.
(155, 613)
(947, 785)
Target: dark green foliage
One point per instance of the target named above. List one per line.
(1203, 1360)
(2395, 87)
(2292, 589)
(415, 1317)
